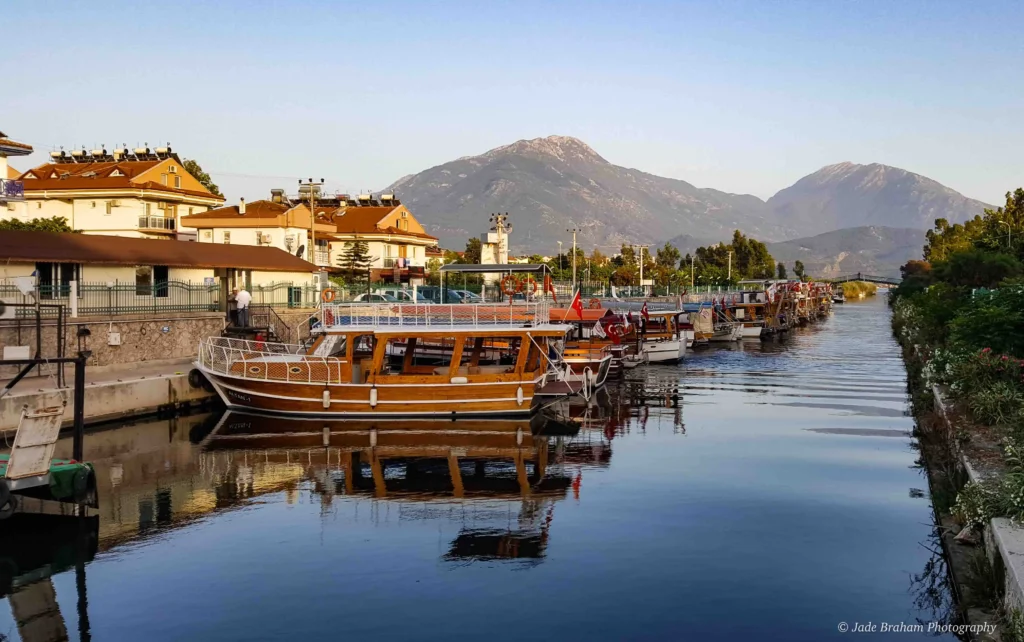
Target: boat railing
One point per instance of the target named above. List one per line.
(267, 361)
(342, 315)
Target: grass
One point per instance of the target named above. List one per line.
(857, 289)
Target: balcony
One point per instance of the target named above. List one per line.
(323, 258)
(156, 223)
(11, 190)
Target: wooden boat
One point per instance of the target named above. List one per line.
(582, 339)
(345, 371)
(661, 338)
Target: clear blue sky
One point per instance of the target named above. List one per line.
(739, 96)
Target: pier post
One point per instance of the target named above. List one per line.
(79, 408)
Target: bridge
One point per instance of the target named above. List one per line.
(867, 278)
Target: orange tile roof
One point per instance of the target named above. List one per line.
(7, 142)
(11, 173)
(256, 209)
(120, 250)
(97, 175)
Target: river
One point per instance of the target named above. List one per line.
(767, 491)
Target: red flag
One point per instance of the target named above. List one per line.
(629, 316)
(577, 304)
(643, 311)
(550, 287)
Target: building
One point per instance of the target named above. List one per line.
(396, 242)
(494, 245)
(137, 193)
(270, 223)
(11, 189)
(60, 258)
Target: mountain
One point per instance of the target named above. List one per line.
(849, 195)
(872, 250)
(551, 184)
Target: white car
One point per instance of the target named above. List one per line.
(469, 297)
(374, 298)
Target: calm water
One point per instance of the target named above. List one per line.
(759, 492)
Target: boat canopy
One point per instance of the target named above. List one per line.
(497, 268)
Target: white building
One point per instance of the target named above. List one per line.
(137, 193)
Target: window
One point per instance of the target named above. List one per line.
(147, 209)
(144, 281)
(389, 250)
(55, 279)
(177, 181)
(163, 178)
(227, 237)
(208, 235)
(403, 225)
(160, 273)
(39, 205)
(110, 207)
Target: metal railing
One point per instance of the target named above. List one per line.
(120, 297)
(339, 315)
(12, 190)
(156, 223)
(264, 361)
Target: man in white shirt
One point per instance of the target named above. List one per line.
(242, 300)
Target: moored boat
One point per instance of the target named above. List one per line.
(346, 370)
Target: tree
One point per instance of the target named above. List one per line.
(434, 272)
(667, 257)
(197, 173)
(782, 270)
(355, 260)
(798, 269)
(55, 224)
(472, 255)
(978, 269)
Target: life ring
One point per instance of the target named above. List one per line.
(509, 285)
(528, 282)
(594, 304)
(327, 295)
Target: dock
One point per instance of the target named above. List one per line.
(111, 393)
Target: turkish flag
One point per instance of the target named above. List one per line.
(577, 304)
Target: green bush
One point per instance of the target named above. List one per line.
(992, 320)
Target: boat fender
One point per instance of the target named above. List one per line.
(373, 438)
(373, 397)
(460, 379)
(195, 378)
(327, 398)
(519, 436)
(519, 395)
(327, 436)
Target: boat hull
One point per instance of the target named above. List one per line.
(508, 398)
(669, 351)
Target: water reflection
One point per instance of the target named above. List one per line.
(740, 483)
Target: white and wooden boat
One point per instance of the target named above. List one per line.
(662, 340)
(345, 372)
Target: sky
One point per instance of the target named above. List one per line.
(745, 97)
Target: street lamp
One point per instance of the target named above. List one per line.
(559, 256)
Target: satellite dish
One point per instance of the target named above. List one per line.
(301, 251)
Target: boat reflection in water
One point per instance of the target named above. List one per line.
(418, 461)
(34, 548)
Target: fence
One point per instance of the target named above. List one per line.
(110, 299)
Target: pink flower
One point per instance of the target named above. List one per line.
(1006, 358)
(986, 351)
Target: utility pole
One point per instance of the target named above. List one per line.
(730, 266)
(314, 190)
(559, 256)
(691, 270)
(641, 257)
(573, 230)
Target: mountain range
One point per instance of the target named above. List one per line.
(871, 249)
(553, 184)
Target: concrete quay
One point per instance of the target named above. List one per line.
(111, 393)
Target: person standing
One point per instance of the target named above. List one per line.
(233, 308)
(242, 300)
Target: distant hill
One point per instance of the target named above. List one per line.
(848, 195)
(559, 182)
(872, 250)
(554, 183)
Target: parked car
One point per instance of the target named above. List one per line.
(469, 297)
(432, 294)
(404, 295)
(374, 298)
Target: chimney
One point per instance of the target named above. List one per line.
(241, 207)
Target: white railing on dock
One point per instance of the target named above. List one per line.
(265, 361)
(341, 315)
